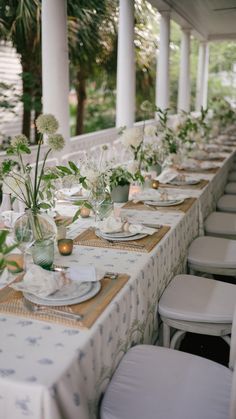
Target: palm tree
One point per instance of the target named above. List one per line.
(20, 24)
(87, 20)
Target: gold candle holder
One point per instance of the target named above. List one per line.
(65, 246)
(85, 212)
(155, 184)
(18, 260)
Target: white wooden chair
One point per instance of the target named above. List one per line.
(232, 176)
(221, 224)
(212, 255)
(198, 305)
(227, 203)
(230, 188)
(161, 383)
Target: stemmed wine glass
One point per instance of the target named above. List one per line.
(97, 197)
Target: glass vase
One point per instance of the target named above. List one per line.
(34, 228)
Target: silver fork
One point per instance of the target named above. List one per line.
(35, 308)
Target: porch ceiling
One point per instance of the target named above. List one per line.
(208, 19)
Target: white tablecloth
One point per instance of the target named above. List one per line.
(53, 372)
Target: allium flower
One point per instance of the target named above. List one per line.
(132, 137)
(19, 140)
(56, 142)
(146, 106)
(150, 130)
(47, 124)
(133, 167)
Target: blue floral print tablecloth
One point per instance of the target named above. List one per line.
(52, 372)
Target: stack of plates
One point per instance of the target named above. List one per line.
(73, 293)
(165, 203)
(120, 236)
(182, 182)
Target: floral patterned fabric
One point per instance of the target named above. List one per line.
(49, 371)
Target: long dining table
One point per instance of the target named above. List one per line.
(50, 370)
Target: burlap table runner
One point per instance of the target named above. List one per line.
(198, 186)
(146, 244)
(12, 302)
(184, 207)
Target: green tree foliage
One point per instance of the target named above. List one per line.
(20, 24)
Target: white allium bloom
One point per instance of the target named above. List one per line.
(18, 140)
(56, 142)
(47, 124)
(133, 167)
(132, 137)
(150, 131)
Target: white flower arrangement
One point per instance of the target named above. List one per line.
(132, 137)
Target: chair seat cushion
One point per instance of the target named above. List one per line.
(232, 176)
(197, 299)
(213, 252)
(160, 383)
(221, 223)
(230, 188)
(227, 203)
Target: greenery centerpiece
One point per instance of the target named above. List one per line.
(32, 185)
(119, 181)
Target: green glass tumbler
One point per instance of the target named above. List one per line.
(43, 253)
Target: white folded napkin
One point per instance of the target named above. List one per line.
(167, 175)
(147, 195)
(115, 225)
(208, 165)
(42, 283)
(39, 282)
(189, 164)
(111, 225)
(84, 273)
(199, 154)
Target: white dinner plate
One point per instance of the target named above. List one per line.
(117, 235)
(184, 182)
(121, 239)
(167, 203)
(73, 293)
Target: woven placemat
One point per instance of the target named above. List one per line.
(212, 170)
(12, 302)
(200, 185)
(184, 207)
(146, 244)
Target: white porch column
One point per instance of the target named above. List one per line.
(55, 63)
(125, 97)
(184, 75)
(162, 79)
(202, 76)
